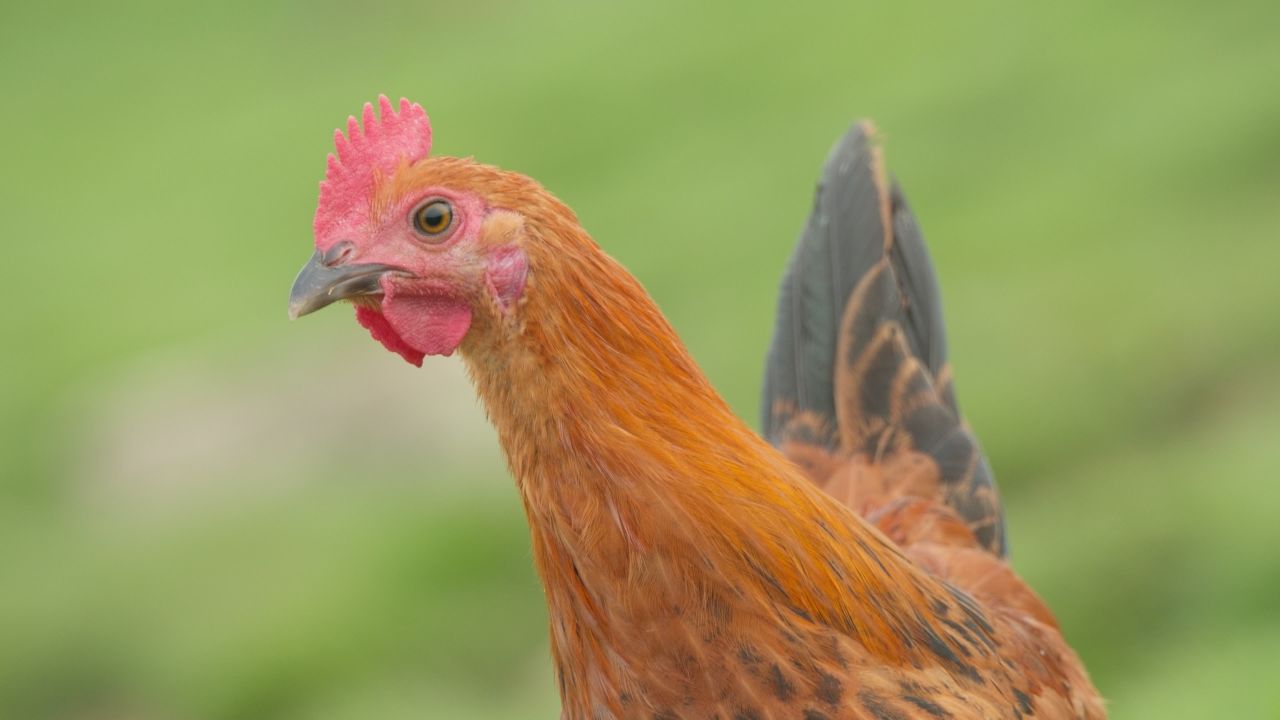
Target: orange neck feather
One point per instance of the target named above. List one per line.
(642, 487)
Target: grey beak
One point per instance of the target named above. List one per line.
(325, 280)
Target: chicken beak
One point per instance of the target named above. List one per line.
(325, 280)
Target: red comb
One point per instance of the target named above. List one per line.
(384, 142)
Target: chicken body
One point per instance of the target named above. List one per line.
(691, 568)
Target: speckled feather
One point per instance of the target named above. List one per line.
(691, 569)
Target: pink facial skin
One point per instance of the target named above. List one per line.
(427, 309)
(508, 268)
(414, 325)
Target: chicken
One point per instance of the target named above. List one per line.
(851, 569)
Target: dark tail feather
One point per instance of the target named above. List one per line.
(858, 362)
(845, 237)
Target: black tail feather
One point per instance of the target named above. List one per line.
(844, 237)
(858, 362)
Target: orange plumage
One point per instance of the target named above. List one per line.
(691, 568)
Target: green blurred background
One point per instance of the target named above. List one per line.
(208, 512)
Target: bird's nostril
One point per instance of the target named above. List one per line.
(338, 253)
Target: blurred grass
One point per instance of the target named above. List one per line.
(1098, 183)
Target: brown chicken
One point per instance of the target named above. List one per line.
(852, 569)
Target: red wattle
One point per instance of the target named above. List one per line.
(382, 331)
(434, 325)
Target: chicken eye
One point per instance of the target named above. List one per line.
(433, 219)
